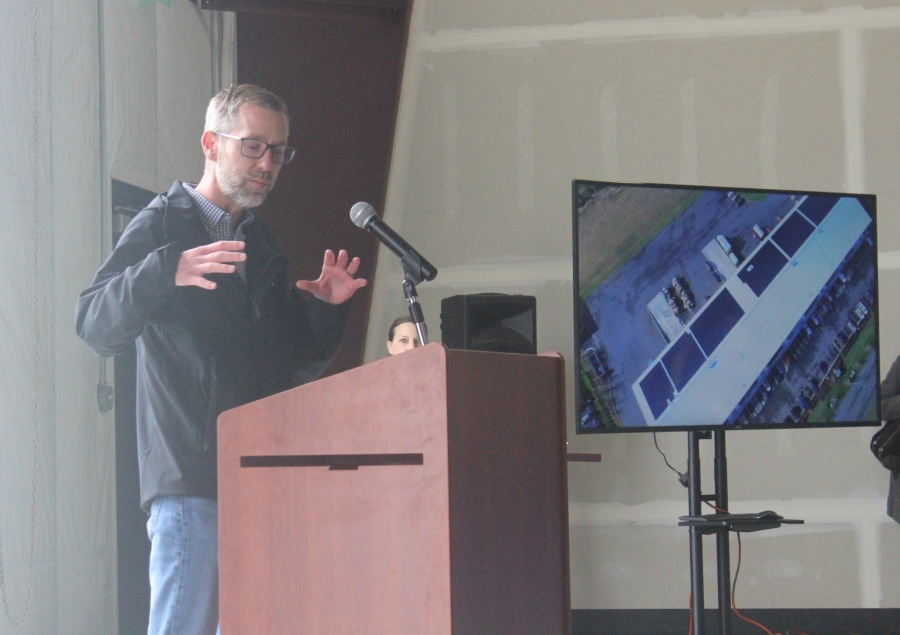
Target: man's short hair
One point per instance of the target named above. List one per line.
(223, 108)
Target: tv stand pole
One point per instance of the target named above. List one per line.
(723, 555)
(720, 524)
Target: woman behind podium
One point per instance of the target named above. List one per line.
(402, 336)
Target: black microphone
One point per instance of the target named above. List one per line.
(364, 215)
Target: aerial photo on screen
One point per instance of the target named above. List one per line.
(709, 307)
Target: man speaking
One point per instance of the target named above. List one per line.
(199, 283)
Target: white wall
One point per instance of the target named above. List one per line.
(162, 63)
(505, 102)
(156, 65)
(74, 534)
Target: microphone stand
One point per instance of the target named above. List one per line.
(412, 268)
(415, 310)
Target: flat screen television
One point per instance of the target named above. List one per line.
(718, 308)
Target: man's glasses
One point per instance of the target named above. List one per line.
(255, 149)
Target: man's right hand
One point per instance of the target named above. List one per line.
(205, 259)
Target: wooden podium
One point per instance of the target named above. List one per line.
(424, 494)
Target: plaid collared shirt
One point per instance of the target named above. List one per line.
(218, 223)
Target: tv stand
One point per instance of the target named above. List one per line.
(720, 524)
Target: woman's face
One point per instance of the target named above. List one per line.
(405, 339)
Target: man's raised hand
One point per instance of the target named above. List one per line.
(200, 261)
(336, 284)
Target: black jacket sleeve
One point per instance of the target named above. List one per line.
(319, 332)
(137, 279)
(890, 393)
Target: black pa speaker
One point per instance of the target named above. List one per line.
(493, 322)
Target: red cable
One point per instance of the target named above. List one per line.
(691, 615)
(734, 584)
(734, 588)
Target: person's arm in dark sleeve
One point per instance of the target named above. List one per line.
(137, 279)
(324, 312)
(318, 333)
(890, 393)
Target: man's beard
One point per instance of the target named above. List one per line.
(234, 186)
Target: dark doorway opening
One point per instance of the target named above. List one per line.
(338, 64)
(132, 546)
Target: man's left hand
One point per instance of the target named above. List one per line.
(336, 284)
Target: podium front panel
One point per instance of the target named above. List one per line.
(323, 551)
(453, 523)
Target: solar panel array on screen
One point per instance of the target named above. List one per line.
(739, 309)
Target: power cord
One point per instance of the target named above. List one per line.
(682, 476)
(683, 479)
(734, 588)
(737, 571)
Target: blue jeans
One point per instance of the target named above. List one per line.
(184, 566)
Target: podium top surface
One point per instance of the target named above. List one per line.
(382, 407)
